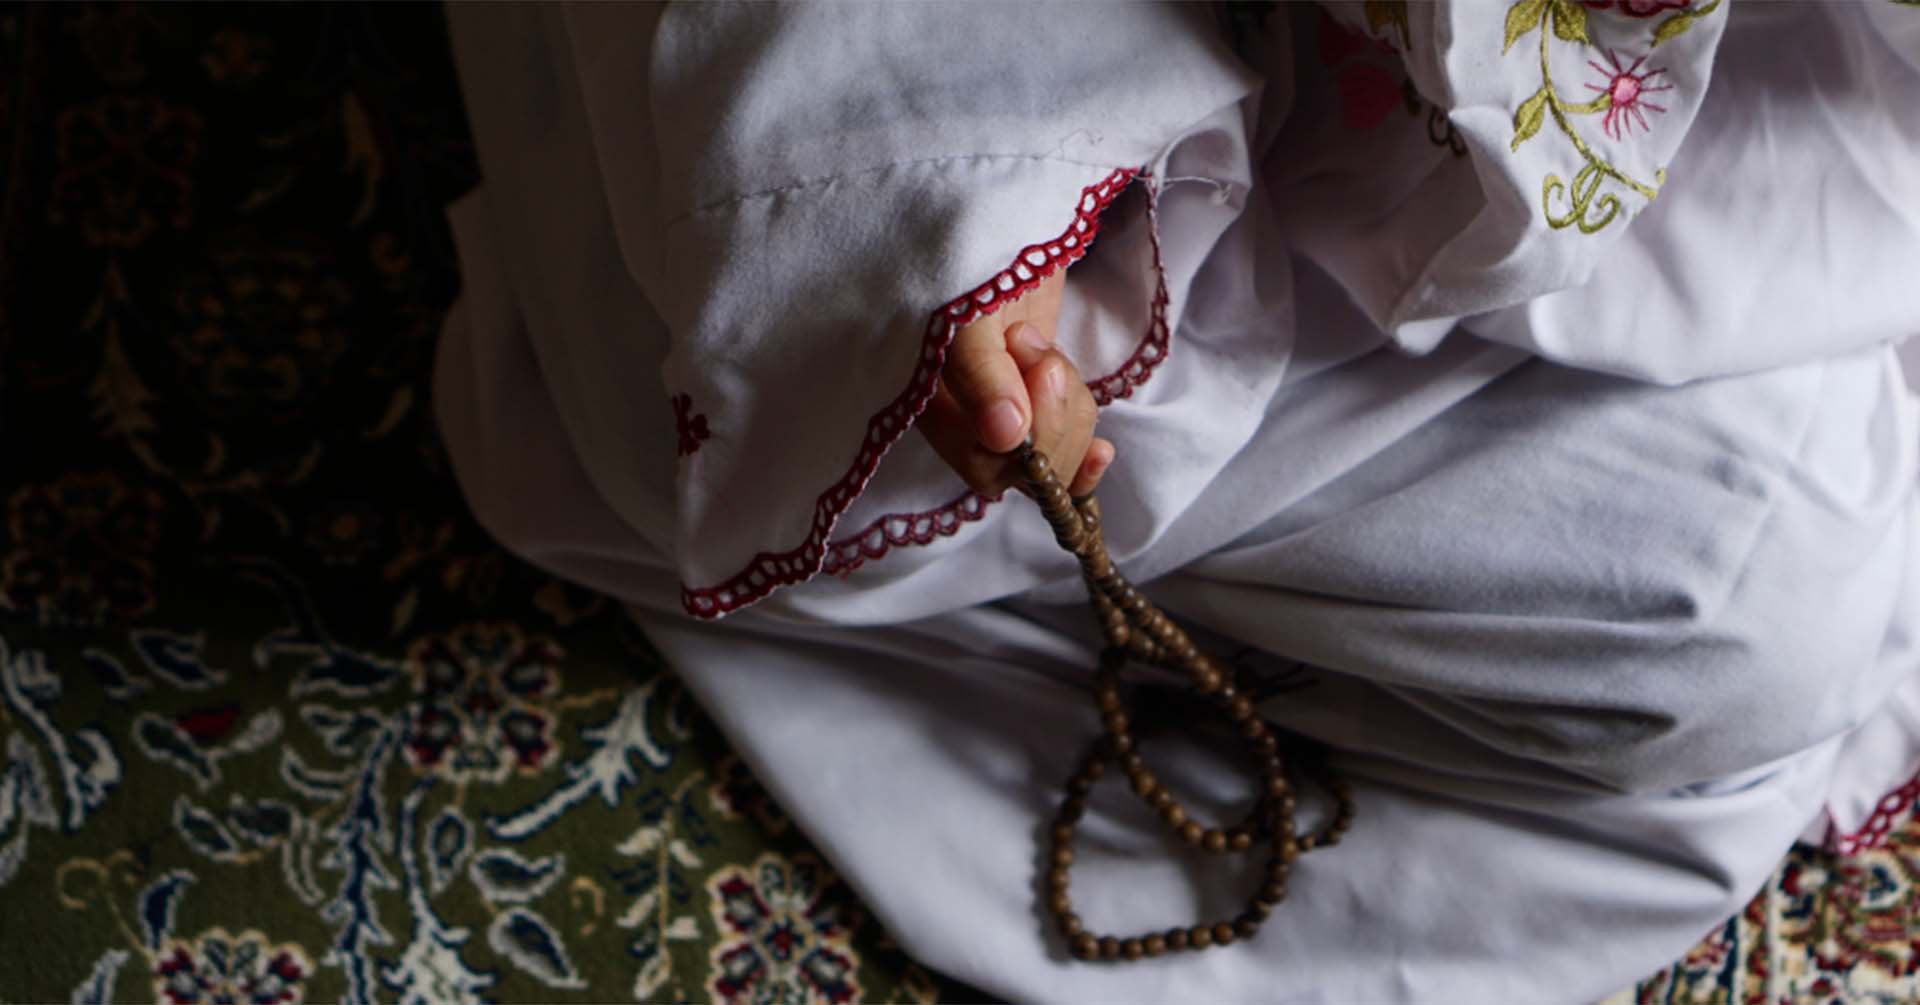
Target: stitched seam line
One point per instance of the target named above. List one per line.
(733, 201)
(768, 571)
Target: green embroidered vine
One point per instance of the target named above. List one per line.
(1676, 25)
(1588, 206)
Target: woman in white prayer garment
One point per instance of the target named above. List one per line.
(1518, 383)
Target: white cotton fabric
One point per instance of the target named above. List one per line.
(1606, 596)
(1786, 230)
(785, 244)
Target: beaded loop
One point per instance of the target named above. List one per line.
(1137, 630)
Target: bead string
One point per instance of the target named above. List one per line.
(1137, 631)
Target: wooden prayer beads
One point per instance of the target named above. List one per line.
(1136, 631)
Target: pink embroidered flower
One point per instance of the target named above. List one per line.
(1368, 93)
(691, 425)
(1626, 94)
(1339, 43)
(1638, 8)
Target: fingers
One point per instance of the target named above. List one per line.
(1002, 381)
(1099, 458)
(1027, 343)
(985, 382)
(1063, 416)
(949, 429)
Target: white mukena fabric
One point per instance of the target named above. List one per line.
(1520, 376)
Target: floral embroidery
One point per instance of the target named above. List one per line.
(1368, 92)
(123, 168)
(787, 923)
(1638, 8)
(691, 425)
(222, 969)
(317, 831)
(481, 711)
(82, 549)
(1440, 131)
(1587, 206)
(1368, 95)
(1626, 94)
(1338, 43)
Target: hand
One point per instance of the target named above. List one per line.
(1003, 379)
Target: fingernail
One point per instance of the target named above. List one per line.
(1030, 338)
(1057, 381)
(1000, 425)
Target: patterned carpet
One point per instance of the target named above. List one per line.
(279, 722)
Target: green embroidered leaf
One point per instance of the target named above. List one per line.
(1523, 17)
(1672, 28)
(1678, 24)
(1526, 121)
(1570, 21)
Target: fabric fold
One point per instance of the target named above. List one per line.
(853, 230)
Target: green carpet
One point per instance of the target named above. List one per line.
(279, 722)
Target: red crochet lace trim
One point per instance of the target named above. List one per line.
(769, 571)
(899, 530)
(1893, 808)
